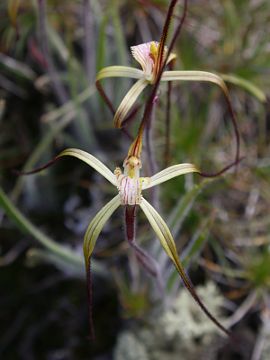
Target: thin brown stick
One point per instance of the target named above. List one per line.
(90, 302)
(222, 171)
(104, 96)
(164, 34)
(108, 102)
(36, 170)
(151, 99)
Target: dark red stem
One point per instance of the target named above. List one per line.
(90, 302)
(150, 101)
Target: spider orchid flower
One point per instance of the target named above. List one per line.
(146, 55)
(130, 185)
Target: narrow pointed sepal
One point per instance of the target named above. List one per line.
(169, 173)
(91, 161)
(195, 75)
(163, 233)
(95, 227)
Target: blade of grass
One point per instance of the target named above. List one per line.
(16, 67)
(63, 252)
(67, 112)
(69, 106)
(183, 207)
(194, 247)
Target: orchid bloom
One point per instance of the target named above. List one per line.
(147, 56)
(129, 185)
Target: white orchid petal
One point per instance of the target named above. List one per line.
(169, 173)
(128, 101)
(91, 161)
(147, 58)
(120, 71)
(95, 227)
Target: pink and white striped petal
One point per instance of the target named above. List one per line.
(130, 189)
(143, 54)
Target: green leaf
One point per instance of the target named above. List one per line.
(57, 254)
(193, 249)
(197, 241)
(16, 68)
(70, 106)
(37, 256)
(169, 173)
(26, 226)
(91, 161)
(95, 227)
(184, 205)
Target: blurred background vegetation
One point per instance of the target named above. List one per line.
(50, 53)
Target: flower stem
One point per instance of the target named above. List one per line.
(90, 302)
(151, 99)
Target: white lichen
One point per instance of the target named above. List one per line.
(185, 319)
(130, 348)
(181, 332)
